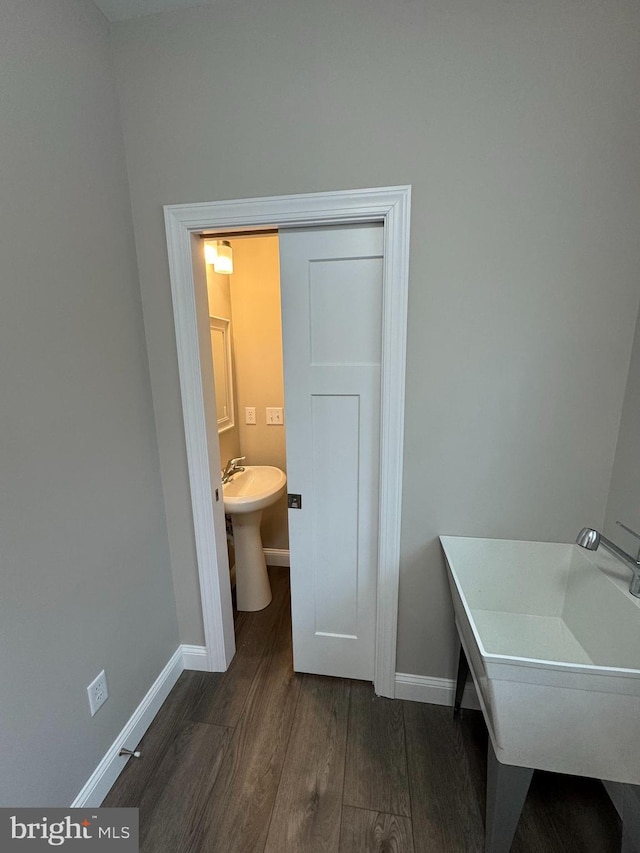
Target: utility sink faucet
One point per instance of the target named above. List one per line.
(590, 539)
(232, 467)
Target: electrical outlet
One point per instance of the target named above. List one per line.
(249, 414)
(98, 692)
(274, 415)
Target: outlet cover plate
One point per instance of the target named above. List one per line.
(98, 692)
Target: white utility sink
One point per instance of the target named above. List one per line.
(552, 638)
(245, 496)
(551, 634)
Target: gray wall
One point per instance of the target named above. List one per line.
(84, 565)
(624, 495)
(516, 124)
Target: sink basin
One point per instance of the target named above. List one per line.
(552, 640)
(255, 488)
(550, 633)
(245, 496)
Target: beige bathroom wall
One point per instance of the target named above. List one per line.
(219, 297)
(516, 124)
(255, 300)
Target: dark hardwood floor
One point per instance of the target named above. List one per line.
(261, 760)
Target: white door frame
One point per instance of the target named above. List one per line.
(389, 205)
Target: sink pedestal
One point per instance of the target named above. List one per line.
(253, 590)
(246, 494)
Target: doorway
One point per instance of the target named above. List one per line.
(391, 207)
(249, 388)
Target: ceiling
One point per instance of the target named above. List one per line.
(120, 10)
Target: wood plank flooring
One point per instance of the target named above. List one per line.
(262, 760)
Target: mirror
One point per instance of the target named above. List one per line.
(222, 371)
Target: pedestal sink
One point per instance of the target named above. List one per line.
(245, 496)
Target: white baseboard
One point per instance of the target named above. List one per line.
(195, 657)
(112, 764)
(276, 556)
(435, 691)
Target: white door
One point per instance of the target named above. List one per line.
(331, 281)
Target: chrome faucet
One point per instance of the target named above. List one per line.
(232, 467)
(590, 539)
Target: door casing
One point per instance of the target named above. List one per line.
(389, 205)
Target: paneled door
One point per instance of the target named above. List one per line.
(331, 282)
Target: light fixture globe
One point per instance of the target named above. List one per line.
(210, 253)
(224, 260)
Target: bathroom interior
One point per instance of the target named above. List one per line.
(246, 343)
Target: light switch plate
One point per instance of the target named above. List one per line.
(274, 415)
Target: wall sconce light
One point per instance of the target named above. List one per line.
(220, 254)
(224, 261)
(210, 253)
